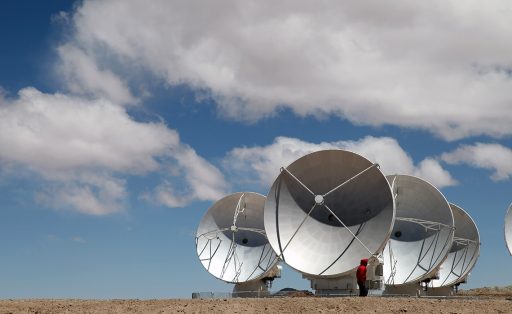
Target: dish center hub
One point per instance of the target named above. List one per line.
(319, 199)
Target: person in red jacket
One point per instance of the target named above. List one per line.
(361, 277)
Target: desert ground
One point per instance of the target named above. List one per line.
(483, 300)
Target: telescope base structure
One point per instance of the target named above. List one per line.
(446, 291)
(251, 289)
(419, 290)
(347, 284)
(411, 289)
(343, 285)
(257, 288)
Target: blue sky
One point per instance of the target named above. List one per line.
(122, 122)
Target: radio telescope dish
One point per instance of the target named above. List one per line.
(464, 252)
(328, 210)
(231, 242)
(423, 232)
(508, 229)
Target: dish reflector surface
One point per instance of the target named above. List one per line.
(464, 252)
(508, 229)
(231, 242)
(423, 232)
(328, 210)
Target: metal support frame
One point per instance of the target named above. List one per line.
(428, 225)
(463, 257)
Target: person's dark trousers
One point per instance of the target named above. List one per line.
(362, 289)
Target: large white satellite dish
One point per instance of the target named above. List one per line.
(423, 232)
(231, 242)
(508, 229)
(328, 210)
(463, 253)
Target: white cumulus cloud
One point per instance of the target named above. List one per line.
(444, 65)
(80, 73)
(85, 149)
(495, 157)
(205, 181)
(264, 162)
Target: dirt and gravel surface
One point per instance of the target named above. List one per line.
(276, 305)
(483, 300)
